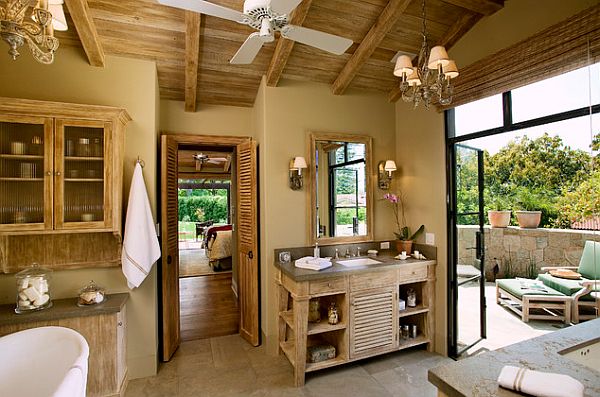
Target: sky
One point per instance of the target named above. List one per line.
(569, 91)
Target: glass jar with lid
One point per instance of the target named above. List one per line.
(33, 289)
(91, 294)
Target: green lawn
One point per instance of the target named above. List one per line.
(187, 231)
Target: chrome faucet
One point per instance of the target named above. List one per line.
(337, 254)
(357, 251)
(347, 253)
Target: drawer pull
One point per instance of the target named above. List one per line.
(120, 323)
(329, 285)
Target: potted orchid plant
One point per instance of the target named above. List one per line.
(405, 238)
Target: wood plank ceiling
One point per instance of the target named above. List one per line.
(192, 53)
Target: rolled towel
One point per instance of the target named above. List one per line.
(540, 384)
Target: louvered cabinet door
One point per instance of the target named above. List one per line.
(373, 322)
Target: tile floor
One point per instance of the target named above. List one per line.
(228, 366)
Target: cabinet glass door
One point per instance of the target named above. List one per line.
(25, 173)
(80, 170)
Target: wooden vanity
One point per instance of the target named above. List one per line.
(367, 300)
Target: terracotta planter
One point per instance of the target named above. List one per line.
(529, 219)
(499, 218)
(404, 245)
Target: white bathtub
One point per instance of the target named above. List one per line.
(44, 362)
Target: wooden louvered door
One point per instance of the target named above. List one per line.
(373, 322)
(170, 248)
(247, 229)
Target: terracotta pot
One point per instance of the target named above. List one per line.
(529, 219)
(404, 245)
(499, 218)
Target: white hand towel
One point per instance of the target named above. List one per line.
(140, 244)
(540, 384)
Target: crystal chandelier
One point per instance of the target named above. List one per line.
(32, 22)
(430, 81)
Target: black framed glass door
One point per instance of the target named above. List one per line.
(466, 275)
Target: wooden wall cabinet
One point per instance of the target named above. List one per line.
(60, 167)
(370, 319)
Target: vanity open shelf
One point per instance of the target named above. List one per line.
(368, 307)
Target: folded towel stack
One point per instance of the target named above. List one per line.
(312, 263)
(534, 285)
(540, 384)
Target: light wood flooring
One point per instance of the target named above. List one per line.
(227, 366)
(208, 307)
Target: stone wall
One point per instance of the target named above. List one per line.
(547, 247)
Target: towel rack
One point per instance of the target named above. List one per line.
(140, 162)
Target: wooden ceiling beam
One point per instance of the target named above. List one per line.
(483, 7)
(86, 29)
(382, 26)
(192, 53)
(284, 46)
(456, 31)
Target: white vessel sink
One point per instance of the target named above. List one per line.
(359, 262)
(43, 362)
(586, 353)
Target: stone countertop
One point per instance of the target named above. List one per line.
(387, 262)
(63, 308)
(477, 376)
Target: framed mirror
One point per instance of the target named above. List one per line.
(340, 188)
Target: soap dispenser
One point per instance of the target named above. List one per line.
(317, 251)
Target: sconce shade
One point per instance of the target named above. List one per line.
(438, 56)
(390, 165)
(403, 66)
(450, 70)
(59, 21)
(299, 163)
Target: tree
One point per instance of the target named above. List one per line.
(582, 203)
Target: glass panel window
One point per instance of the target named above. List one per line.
(84, 174)
(480, 115)
(569, 91)
(21, 173)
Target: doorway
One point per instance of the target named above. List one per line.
(208, 304)
(209, 272)
(466, 292)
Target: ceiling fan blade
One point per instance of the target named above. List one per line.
(248, 50)
(327, 42)
(207, 8)
(284, 6)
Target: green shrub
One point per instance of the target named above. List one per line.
(213, 208)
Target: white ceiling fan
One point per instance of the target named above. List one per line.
(266, 16)
(206, 158)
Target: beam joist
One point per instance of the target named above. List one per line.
(86, 29)
(380, 28)
(284, 46)
(483, 7)
(456, 31)
(192, 53)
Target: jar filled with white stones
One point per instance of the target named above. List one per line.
(33, 289)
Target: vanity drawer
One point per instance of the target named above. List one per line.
(410, 273)
(337, 284)
(372, 280)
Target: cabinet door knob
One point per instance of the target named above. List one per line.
(57, 173)
(329, 285)
(49, 173)
(120, 323)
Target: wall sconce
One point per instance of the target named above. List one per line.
(297, 164)
(384, 174)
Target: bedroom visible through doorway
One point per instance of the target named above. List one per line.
(206, 197)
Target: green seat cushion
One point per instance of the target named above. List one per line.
(589, 264)
(519, 288)
(567, 287)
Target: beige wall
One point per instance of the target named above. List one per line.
(289, 112)
(127, 83)
(420, 148)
